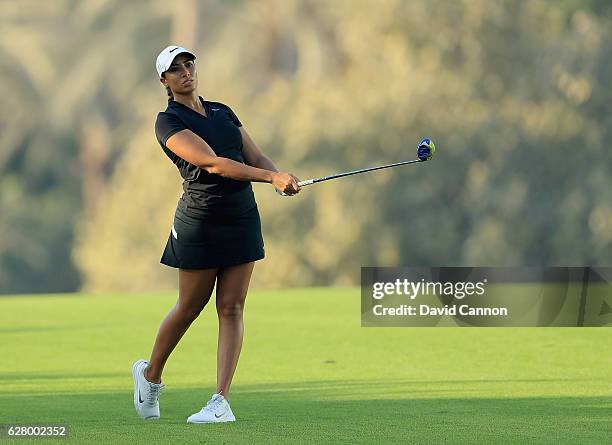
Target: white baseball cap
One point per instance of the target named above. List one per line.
(165, 58)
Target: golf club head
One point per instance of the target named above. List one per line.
(426, 149)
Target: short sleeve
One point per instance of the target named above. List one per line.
(233, 116)
(166, 125)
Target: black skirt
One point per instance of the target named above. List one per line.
(211, 241)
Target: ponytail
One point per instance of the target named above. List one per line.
(170, 95)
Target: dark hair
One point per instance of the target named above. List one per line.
(170, 95)
(169, 91)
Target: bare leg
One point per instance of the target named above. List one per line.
(232, 287)
(195, 289)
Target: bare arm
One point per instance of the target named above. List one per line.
(196, 151)
(253, 155)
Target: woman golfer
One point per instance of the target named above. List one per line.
(216, 232)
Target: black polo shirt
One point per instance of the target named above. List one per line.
(203, 192)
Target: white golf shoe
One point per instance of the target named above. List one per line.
(146, 394)
(216, 410)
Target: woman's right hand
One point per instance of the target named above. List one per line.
(285, 183)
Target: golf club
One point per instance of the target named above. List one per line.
(425, 151)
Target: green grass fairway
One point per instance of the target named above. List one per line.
(308, 374)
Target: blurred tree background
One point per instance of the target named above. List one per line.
(516, 95)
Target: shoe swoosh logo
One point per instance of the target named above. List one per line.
(139, 396)
(220, 415)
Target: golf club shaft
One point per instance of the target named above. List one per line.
(354, 172)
